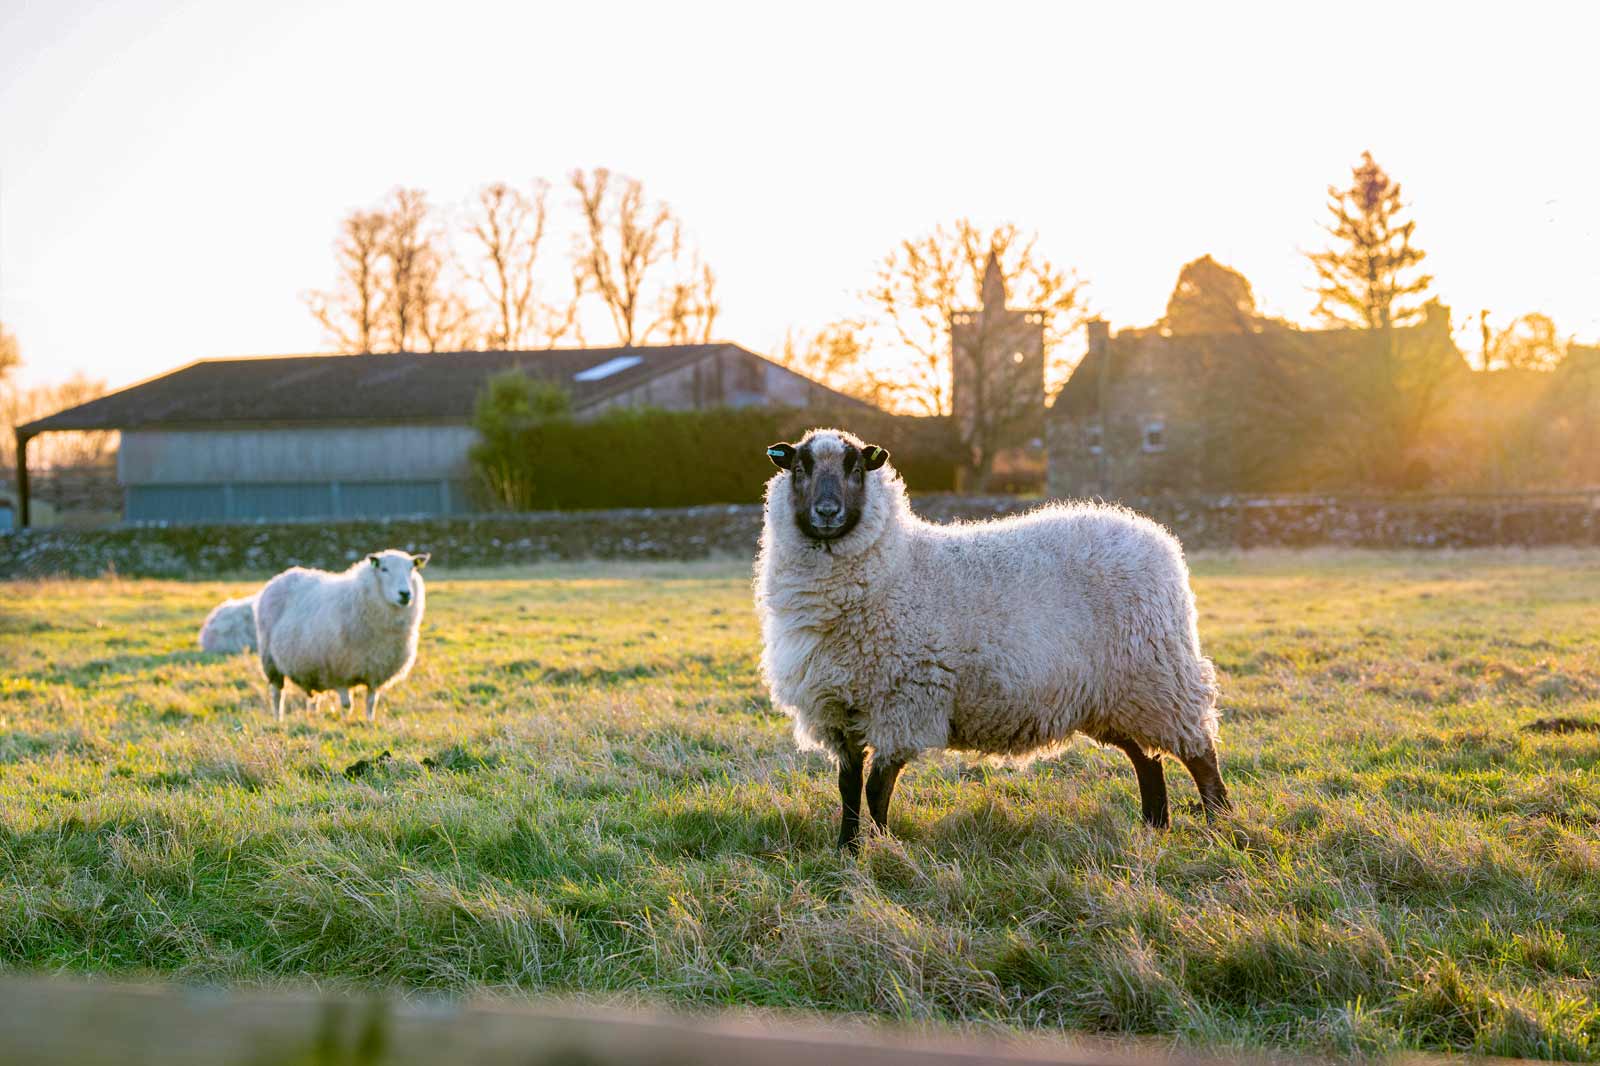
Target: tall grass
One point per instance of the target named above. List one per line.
(589, 793)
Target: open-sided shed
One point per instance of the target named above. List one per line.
(369, 435)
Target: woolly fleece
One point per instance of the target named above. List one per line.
(1002, 637)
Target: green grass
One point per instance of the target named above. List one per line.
(610, 807)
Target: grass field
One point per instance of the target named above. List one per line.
(610, 807)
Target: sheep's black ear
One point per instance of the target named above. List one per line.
(419, 561)
(374, 560)
(875, 456)
(782, 455)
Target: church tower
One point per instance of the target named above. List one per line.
(997, 373)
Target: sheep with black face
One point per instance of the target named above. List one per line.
(333, 632)
(887, 634)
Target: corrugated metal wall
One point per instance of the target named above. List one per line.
(175, 503)
(314, 453)
(282, 501)
(269, 501)
(314, 472)
(376, 499)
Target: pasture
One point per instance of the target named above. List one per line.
(588, 794)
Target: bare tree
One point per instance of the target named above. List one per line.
(10, 353)
(622, 240)
(689, 306)
(445, 321)
(1530, 342)
(19, 406)
(395, 291)
(508, 226)
(838, 355)
(562, 319)
(352, 311)
(410, 257)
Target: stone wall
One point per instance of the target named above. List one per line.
(1221, 522)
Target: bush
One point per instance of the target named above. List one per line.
(639, 457)
(512, 402)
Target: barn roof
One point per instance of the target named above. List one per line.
(405, 386)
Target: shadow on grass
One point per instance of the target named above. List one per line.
(1562, 726)
(704, 831)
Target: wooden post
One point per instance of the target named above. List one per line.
(22, 479)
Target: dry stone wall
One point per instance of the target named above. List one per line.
(697, 532)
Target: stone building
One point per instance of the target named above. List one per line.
(1148, 413)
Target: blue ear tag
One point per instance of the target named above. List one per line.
(776, 453)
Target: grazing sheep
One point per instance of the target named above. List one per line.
(886, 632)
(332, 632)
(230, 627)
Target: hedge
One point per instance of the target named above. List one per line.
(647, 458)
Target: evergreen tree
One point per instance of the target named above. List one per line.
(1369, 278)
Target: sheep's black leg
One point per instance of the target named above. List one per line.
(1152, 781)
(852, 760)
(1208, 779)
(880, 788)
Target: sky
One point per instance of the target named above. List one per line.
(172, 173)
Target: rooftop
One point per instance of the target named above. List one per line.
(311, 389)
(1184, 356)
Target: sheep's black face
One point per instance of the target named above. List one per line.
(827, 482)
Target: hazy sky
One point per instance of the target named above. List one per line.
(172, 174)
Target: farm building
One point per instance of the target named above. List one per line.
(1148, 412)
(370, 435)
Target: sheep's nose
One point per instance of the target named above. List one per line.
(827, 509)
(405, 597)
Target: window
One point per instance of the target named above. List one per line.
(1093, 439)
(1155, 435)
(607, 368)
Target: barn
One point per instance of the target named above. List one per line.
(341, 436)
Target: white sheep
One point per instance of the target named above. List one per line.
(887, 633)
(230, 627)
(333, 632)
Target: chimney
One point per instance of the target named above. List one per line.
(1436, 316)
(1099, 334)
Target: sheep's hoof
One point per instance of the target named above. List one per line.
(848, 845)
